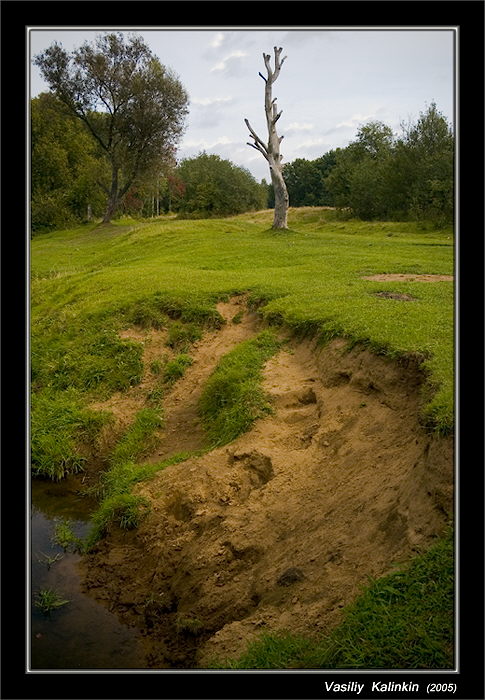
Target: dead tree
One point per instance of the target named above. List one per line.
(271, 150)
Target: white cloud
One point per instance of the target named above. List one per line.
(204, 144)
(217, 40)
(224, 64)
(311, 143)
(209, 101)
(354, 120)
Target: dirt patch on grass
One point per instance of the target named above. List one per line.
(398, 277)
(395, 295)
(280, 529)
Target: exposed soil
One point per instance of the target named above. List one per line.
(395, 295)
(280, 529)
(398, 277)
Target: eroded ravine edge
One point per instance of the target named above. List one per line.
(279, 529)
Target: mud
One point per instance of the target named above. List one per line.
(280, 529)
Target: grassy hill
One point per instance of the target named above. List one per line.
(89, 281)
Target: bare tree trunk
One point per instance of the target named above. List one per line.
(271, 150)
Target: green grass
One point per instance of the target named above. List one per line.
(402, 620)
(175, 369)
(60, 427)
(47, 600)
(232, 398)
(118, 505)
(88, 282)
(181, 336)
(139, 438)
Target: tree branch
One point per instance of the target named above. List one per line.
(277, 62)
(266, 58)
(263, 147)
(258, 148)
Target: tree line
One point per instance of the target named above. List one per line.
(381, 176)
(68, 170)
(104, 143)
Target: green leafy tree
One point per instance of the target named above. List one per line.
(305, 181)
(377, 176)
(357, 179)
(131, 104)
(213, 186)
(64, 167)
(427, 154)
(325, 165)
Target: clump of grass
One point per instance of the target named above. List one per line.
(122, 509)
(65, 537)
(156, 395)
(118, 506)
(59, 427)
(182, 335)
(156, 367)
(196, 310)
(139, 437)
(146, 313)
(232, 398)
(175, 369)
(402, 620)
(189, 625)
(47, 600)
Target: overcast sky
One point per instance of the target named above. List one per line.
(331, 83)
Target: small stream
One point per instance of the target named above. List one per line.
(82, 634)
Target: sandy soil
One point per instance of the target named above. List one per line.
(398, 277)
(280, 529)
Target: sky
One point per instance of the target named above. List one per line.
(332, 82)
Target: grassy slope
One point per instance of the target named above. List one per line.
(311, 276)
(89, 282)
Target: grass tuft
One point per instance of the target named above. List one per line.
(175, 369)
(232, 398)
(123, 509)
(60, 426)
(139, 438)
(48, 600)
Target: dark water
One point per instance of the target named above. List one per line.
(82, 634)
